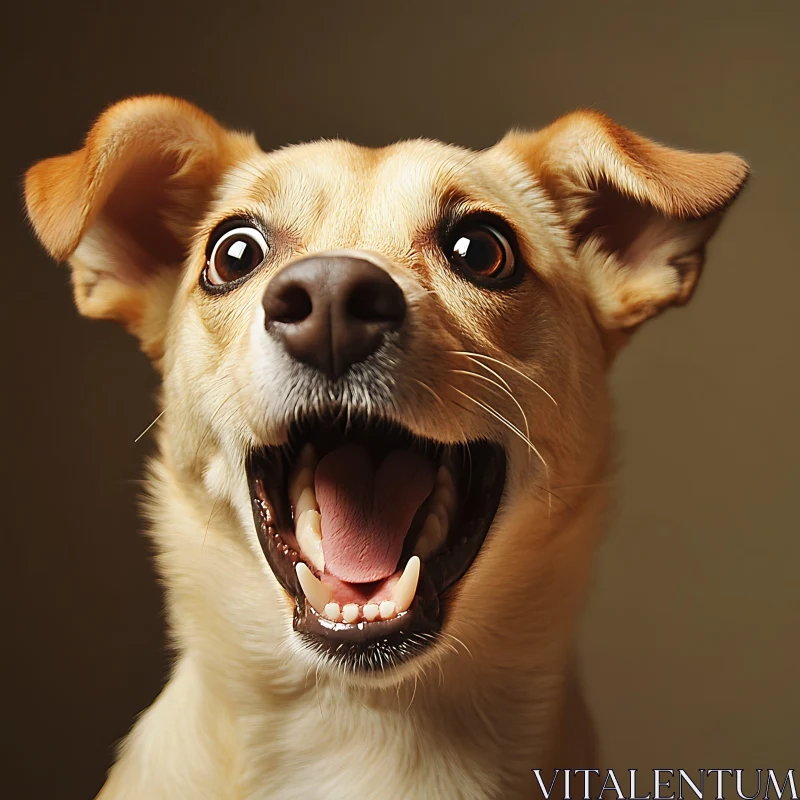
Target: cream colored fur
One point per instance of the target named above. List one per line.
(249, 712)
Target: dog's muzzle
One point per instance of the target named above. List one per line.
(365, 524)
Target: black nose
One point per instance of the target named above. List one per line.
(332, 311)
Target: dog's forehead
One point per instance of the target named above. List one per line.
(334, 192)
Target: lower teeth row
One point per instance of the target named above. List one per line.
(319, 596)
(351, 612)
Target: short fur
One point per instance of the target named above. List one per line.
(614, 229)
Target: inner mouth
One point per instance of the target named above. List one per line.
(367, 526)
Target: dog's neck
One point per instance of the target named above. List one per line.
(481, 720)
(448, 730)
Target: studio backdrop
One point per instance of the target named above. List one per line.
(690, 642)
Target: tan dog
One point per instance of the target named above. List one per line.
(395, 362)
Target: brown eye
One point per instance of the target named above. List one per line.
(235, 254)
(483, 252)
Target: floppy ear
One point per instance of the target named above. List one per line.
(640, 213)
(122, 209)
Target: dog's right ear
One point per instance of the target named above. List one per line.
(122, 209)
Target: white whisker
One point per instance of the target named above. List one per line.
(428, 389)
(488, 369)
(413, 695)
(456, 639)
(500, 418)
(510, 425)
(502, 389)
(144, 432)
(425, 386)
(509, 366)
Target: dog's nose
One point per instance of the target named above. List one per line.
(333, 311)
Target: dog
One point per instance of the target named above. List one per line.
(385, 437)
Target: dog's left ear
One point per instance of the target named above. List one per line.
(122, 209)
(640, 214)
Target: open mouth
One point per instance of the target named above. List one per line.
(367, 526)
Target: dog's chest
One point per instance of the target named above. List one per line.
(390, 776)
(369, 753)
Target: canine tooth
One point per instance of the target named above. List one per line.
(309, 537)
(405, 589)
(317, 594)
(301, 480)
(350, 612)
(431, 537)
(305, 502)
(387, 609)
(371, 612)
(332, 612)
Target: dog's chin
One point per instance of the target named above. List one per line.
(367, 527)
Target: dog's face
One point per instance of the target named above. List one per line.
(384, 365)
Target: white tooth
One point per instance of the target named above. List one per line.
(405, 589)
(387, 609)
(371, 612)
(332, 612)
(431, 538)
(301, 480)
(317, 594)
(309, 537)
(307, 501)
(350, 612)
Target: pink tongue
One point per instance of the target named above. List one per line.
(366, 513)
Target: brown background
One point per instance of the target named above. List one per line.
(691, 640)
